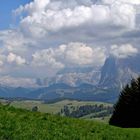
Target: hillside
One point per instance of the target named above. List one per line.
(65, 107)
(19, 124)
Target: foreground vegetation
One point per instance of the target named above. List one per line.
(19, 124)
(128, 105)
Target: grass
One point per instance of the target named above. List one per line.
(19, 124)
(53, 108)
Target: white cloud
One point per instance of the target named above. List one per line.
(17, 82)
(14, 41)
(36, 5)
(135, 2)
(123, 14)
(46, 58)
(72, 54)
(80, 54)
(124, 50)
(42, 18)
(11, 58)
(76, 53)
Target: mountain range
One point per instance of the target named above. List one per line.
(115, 72)
(98, 84)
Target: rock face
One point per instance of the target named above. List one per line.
(74, 77)
(118, 72)
(109, 73)
(114, 73)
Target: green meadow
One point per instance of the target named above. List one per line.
(21, 124)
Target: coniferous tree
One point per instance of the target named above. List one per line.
(127, 109)
(35, 109)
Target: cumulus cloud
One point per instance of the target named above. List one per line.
(13, 58)
(124, 50)
(80, 54)
(77, 53)
(54, 20)
(46, 58)
(123, 14)
(72, 54)
(64, 21)
(50, 59)
(43, 18)
(14, 41)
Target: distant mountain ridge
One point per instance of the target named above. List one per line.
(97, 84)
(115, 72)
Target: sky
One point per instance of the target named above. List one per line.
(6, 8)
(41, 37)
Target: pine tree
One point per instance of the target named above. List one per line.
(127, 109)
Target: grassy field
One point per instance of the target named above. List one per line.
(56, 107)
(53, 108)
(19, 124)
(89, 117)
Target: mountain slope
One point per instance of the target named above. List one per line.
(73, 77)
(118, 72)
(18, 124)
(109, 73)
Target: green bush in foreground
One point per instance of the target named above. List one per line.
(18, 124)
